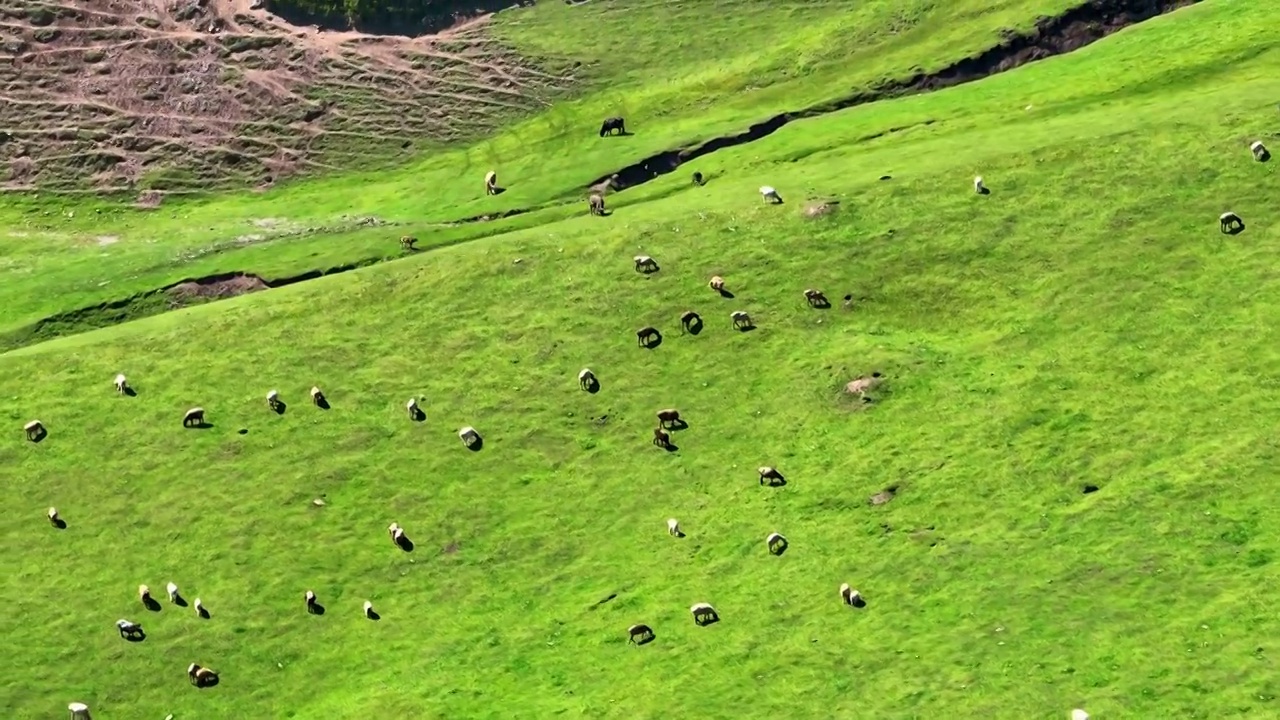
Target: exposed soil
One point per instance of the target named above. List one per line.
(883, 496)
(171, 95)
(1051, 36)
(217, 287)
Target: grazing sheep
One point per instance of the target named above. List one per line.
(769, 473)
(661, 438)
(862, 385)
(317, 397)
(122, 385)
(815, 298)
(770, 195)
(199, 608)
(697, 179)
(741, 320)
(1079, 714)
(79, 711)
(144, 595)
(35, 430)
(469, 436)
(1230, 222)
(392, 529)
(688, 318)
(129, 630)
(776, 543)
(54, 519)
(646, 334)
(646, 264)
(1260, 152)
(491, 183)
(172, 590)
(397, 536)
(311, 602)
(201, 676)
(673, 528)
(704, 614)
(595, 204)
(668, 417)
(978, 187)
(586, 378)
(851, 597)
(407, 242)
(368, 610)
(412, 407)
(613, 125)
(639, 634)
(273, 400)
(193, 418)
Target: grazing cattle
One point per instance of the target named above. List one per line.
(469, 436)
(273, 400)
(645, 264)
(407, 242)
(1230, 222)
(769, 195)
(647, 334)
(769, 473)
(1260, 152)
(979, 187)
(661, 438)
(815, 298)
(741, 320)
(201, 676)
(613, 126)
(54, 519)
(639, 634)
(668, 418)
(688, 318)
(704, 614)
(673, 528)
(851, 597)
(595, 204)
(193, 418)
(491, 183)
(716, 283)
(317, 397)
(776, 543)
(122, 385)
(35, 430)
(698, 179)
(129, 630)
(586, 378)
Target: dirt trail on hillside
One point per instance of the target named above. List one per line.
(174, 94)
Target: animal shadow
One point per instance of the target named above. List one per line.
(651, 341)
(778, 548)
(746, 328)
(708, 620)
(984, 191)
(179, 601)
(476, 445)
(404, 543)
(323, 403)
(130, 391)
(373, 615)
(679, 424)
(60, 524)
(672, 447)
(775, 481)
(39, 435)
(726, 294)
(858, 602)
(315, 609)
(593, 386)
(207, 682)
(498, 190)
(151, 604)
(202, 425)
(1234, 228)
(418, 415)
(135, 637)
(281, 407)
(645, 640)
(695, 327)
(202, 612)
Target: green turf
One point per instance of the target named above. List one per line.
(1085, 323)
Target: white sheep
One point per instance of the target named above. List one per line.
(144, 594)
(273, 399)
(586, 378)
(412, 408)
(776, 543)
(978, 186)
(368, 609)
(54, 519)
(740, 319)
(311, 602)
(1260, 152)
(128, 629)
(35, 430)
(317, 397)
(199, 608)
(644, 263)
(122, 385)
(673, 528)
(392, 529)
(491, 183)
(1079, 714)
(79, 711)
(1230, 222)
(768, 194)
(469, 436)
(849, 596)
(704, 614)
(716, 283)
(172, 589)
(193, 417)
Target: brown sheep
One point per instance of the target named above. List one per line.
(668, 418)
(688, 319)
(407, 242)
(647, 334)
(35, 430)
(815, 298)
(661, 438)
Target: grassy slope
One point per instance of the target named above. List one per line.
(656, 67)
(1084, 323)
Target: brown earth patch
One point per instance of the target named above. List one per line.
(217, 287)
(170, 96)
(884, 496)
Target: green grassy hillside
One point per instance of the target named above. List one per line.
(1083, 324)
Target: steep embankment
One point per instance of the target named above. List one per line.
(113, 95)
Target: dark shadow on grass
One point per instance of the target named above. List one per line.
(745, 328)
(417, 415)
(677, 424)
(651, 341)
(708, 620)
(280, 407)
(134, 637)
(202, 425)
(179, 601)
(203, 612)
(315, 608)
(779, 548)
(774, 482)
(984, 191)
(323, 403)
(858, 602)
(592, 387)
(207, 682)
(476, 445)
(151, 604)
(646, 639)
(38, 436)
(726, 294)
(670, 447)
(60, 524)
(373, 615)
(498, 190)
(1234, 228)
(694, 327)
(404, 543)
(130, 391)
